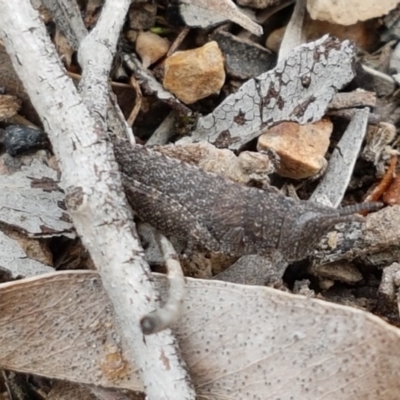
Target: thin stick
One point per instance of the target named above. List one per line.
(138, 102)
(90, 178)
(165, 316)
(178, 41)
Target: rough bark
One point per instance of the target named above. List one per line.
(94, 194)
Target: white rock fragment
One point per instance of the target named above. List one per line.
(348, 12)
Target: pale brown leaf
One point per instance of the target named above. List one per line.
(240, 342)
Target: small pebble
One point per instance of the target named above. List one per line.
(346, 12)
(151, 48)
(19, 139)
(192, 75)
(9, 106)
(300, 148)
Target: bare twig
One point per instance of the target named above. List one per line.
(69, 20)
(165, 316)
(385, 182)
(96, 53)
(138, 101)
(94, 195)
(178, 41)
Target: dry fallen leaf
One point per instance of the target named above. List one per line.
(292, 91)
(205, 13)
(30, 197)
(239, 341)
(15, 261)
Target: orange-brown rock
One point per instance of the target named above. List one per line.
(192, 75)
(301, 148)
